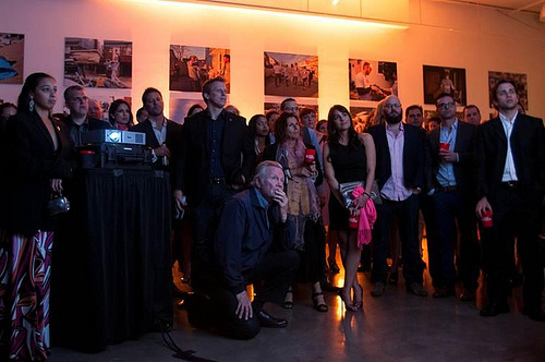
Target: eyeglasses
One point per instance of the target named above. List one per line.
(395, 105)
(445, 105)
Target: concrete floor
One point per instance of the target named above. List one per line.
(394, 327)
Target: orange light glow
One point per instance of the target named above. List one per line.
(308, 16)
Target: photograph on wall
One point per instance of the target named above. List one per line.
(12, 48)
(179, 108)
(361, 117)
(521, 83)
(97, 63)
(371, 80)
(291, 75)
(439, 80)
(190, 67)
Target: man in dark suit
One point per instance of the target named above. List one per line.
(450, 152)
(400, 176)
(510, 180)
(216, 161)
(162, 135)
(78, 121)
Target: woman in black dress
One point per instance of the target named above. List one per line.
(36, 152)
(348, 156)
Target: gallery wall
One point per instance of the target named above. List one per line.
(476, 39)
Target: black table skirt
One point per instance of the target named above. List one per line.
(111, 277)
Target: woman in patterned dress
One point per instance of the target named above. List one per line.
(35, 153)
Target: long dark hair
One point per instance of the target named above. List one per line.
(282, 124)
(31, 83)
(113, 107)
(333, 134)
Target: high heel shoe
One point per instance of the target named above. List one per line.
(288, 299)
(358, 303)
(320, 307)
(333, 267)
(349, 305)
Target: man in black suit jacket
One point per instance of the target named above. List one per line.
(216, 161)
(162, 135)
(510, 180)
(400, 177)
(450, 151)
(78, 121)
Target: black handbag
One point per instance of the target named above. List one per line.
(58, 204)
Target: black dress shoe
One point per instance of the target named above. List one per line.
(535, 314)
(268, 321)
(493, 309)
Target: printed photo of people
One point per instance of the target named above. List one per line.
(12, 48)
(371, 80)
(439, 80)
(291, 75)
(362, 117)
(96, 63)
(191, 66)
(521, 82)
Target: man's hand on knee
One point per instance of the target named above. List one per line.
(244, 308)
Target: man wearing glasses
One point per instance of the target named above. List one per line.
(400, 176)
(78, 121)
(449, 178)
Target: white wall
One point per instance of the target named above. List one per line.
(469, 37)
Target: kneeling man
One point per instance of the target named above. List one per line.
(253, 245)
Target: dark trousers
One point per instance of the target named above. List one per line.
(271, 280)
(407, 215)
(451, 207)
(205, 219)
(515, 214)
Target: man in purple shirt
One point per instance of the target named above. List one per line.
(400, 176)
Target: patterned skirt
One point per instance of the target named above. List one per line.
(25, 270)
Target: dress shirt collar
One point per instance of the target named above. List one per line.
(504, 118)
(401, 127)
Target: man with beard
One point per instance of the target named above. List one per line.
(400, 176)
(510, 179)
(216, 162)
(162, 134)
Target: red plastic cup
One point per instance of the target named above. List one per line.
(310, 155)
(353, 221)
(487, 219)
(444, 146)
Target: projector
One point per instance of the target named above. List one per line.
(101, 136)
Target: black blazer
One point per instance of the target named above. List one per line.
(464, 169)
(527, 146)
(30, 163)
(173, 142)
(413, 156)
(237, 155)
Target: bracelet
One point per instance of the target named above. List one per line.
(368, 194)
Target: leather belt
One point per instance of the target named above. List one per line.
(510, 184)
(449, 188)
(216, 181)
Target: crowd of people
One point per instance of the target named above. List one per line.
(263, 200)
